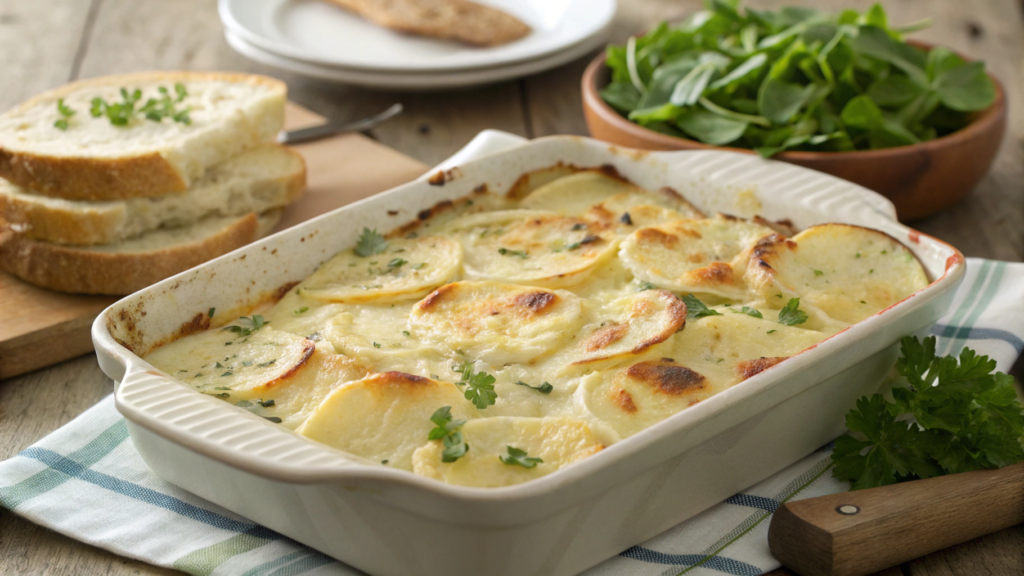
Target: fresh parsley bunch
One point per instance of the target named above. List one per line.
(967, 418)
(797, 78)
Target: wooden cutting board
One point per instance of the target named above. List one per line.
(40, 327)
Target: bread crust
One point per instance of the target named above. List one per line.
(80, 228)
(460, 20)
(73, 270)
(83, 178)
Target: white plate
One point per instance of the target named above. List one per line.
(319, 32)
(413, 80)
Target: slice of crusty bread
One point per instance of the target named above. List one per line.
(460, 20)
(95, 160)
(268, 176)
(125, 267)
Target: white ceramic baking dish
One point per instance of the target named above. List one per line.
(387, 521)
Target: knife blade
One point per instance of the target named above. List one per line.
(331, 128)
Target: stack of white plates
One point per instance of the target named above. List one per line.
(316, 38)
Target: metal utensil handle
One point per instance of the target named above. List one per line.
(330, 129)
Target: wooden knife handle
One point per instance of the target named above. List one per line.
(857, 533)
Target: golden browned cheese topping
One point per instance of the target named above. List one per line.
(624, 400)
(602, 337)
(748, 368)
(666, 377)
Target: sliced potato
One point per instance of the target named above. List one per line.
(557, 441)
(848, 272)
(693, 255)
(306, 388)
(546, 250)
(630, 326)
(496, 323)
(573, 195)
(234, 366)
(407, 269)
(375, 332)
(711, 355)
(629, 211)
(385, 416)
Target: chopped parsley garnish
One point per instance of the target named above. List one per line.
(818, 272)
(626, 219)
(301, 310)
(267, 363)
(544, 387)
(792, 315)
(589, 238)
(771, 331)
(447, 430)
(696, 309)
(248, 325)
(518, 457)
(228, 373)
(479, 385)
(507, 252)
(211, 312)
(967, 418)
(376, 344)
(273, 419)
(406, 333)
(419, 266)
(266, 403)
(222, 395)
(384, 461)
(579, 226)
(370, 243)
(65, 113)
(753, 312)
(644, 286)
(396, 263)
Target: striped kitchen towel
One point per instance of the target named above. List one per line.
(87, 481)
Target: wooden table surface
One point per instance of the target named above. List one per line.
(45, 43)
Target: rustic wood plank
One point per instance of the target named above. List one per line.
(38, 44)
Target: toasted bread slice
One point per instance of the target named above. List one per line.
(124, 267)
(268, 176)
(460, 20)
(94, 159)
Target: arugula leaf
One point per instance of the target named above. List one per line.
(781, 80)
(544, 388)
(370, 243)
(248, 325)
(696, 309)
(791, 315)
(479, 385)
(447, 430)
(518, 457)
(965, 417)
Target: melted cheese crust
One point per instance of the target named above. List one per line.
(564, 298)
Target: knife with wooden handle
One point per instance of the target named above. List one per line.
(857, 533)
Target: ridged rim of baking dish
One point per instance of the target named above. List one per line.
(240, 439)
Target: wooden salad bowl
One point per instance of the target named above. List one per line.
(919, 179)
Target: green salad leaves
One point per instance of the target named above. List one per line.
(967, 418)
(793, 79)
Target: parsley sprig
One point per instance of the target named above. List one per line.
(479, 385)
(967, 418)
(248, 325)
(518, 457)
(696, 309)
(447, 430)
(752, 312)
(370, 243)
(791, 314)
(544, 388)
(507, 252)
